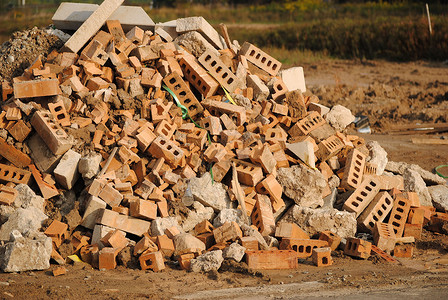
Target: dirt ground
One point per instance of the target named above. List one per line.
(389, 93)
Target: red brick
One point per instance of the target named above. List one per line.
(405, 251)
(332, 239)
(36, 88)
(153, 261)
(358, 248)
(16, 157)
(302, 247)
(322, 257)
(107, 259)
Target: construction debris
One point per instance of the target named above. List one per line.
(158, 142)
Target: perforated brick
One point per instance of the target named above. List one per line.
(362, 196)
(399, 214)
(377, 210)
(354, 169)
(176, 84)
(260, 59)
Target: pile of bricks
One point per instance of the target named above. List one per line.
(248, 122)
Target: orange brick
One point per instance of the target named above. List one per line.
(204, 227)
(405, 251)
(144, 209)
(59, 271)
(260, 59)
(36, 88)
(107, 259)
(302, 247)
(229, 231)
(354, 170)
(322, 257)
(166, 245)
(249, 242)
(358, 248)
(19, 131)
(262, 216)
(176, 84)
(13, 174)
(291, 231)
(414, 230)
(377, 211)
(384, 236)
(198, 77)
(153, 261)
(271, 187)
(51, 132)
(332, 239)
(271, 260)
(8, 195)
(399, 215)
(115, 239)
(16, 157)
(362, 196)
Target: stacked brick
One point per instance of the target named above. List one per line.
(115, 89)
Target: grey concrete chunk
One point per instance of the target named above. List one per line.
(93, 23)
(70, 16)
(228, 215)
(199, 24)
(27, 198)
(196, 215)
(66, 173)
(89, 165)
(42, 156)
(159, 225)
(185, 242)
(313, 221)
(24, 254)
(339, 117)
(210, 261)
(303, 185)
(93, 208)
(26, 221)
(413, 182)
(195, 43)
(439, 196)
(401, 167)
(235, 251)
(377, 155)
(250, 231)
(209, 194)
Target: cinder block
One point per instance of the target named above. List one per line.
(362, 196)
(272, 260)
(294, 79)
(260, 59)
(92, 25)
(153, 261)
(302, 247)
(66, 172)
(219, 71)
(377, 211)
(332, 239)
(384, 236)
(322, 257)
(70, 16)
(399, 214)
(358, 248)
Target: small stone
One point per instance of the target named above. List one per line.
(439, 197)
(235, 251)
(413, 182)
(339, 117)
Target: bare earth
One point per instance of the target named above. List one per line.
(389, 93)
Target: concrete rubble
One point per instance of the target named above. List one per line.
(140, 143)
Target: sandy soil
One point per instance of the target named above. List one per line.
(342, 82)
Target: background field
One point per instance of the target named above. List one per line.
(294, 30)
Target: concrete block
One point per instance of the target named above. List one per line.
(199, 24)
(66, 172)
(70, 16)
(92, 24)
(294, 79)
(93, 207)
(195, 43)
(210, 261)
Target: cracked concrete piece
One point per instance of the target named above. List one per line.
(195, 43)
(207, 262)
(159, 225)
(24, 254)
(201, 25)
(26, 221)
(249, 231)
(413, 182)
(235, 251)
(439, 197)
(27, 198)
(89, 165)
(187, 243)
(228, 215)
(377, 155)
(401, 167)
(313, 221)
(196, 215)
(339, 117)
(303, 185)
(209, 194)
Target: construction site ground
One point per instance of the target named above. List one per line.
(363, 88)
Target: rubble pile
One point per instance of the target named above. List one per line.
(175, 144)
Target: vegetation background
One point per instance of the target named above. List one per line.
(290, 30)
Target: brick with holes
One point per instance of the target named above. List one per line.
(178, 86)
(229, 231)
(302, 247)
(51, 132)
(260, 59)
(329, 148)
(362, 196)
(198, 77)
(399, 214)
(235, 112)
(354, 169)
(331, 238)
(384, 236)
(262, 216)
(153, 261)
(248, 174)
(219, 71)
(161, 147)
(303, 127)
(358, 248)
(322, 257)
(13, 174)
(377, 211)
